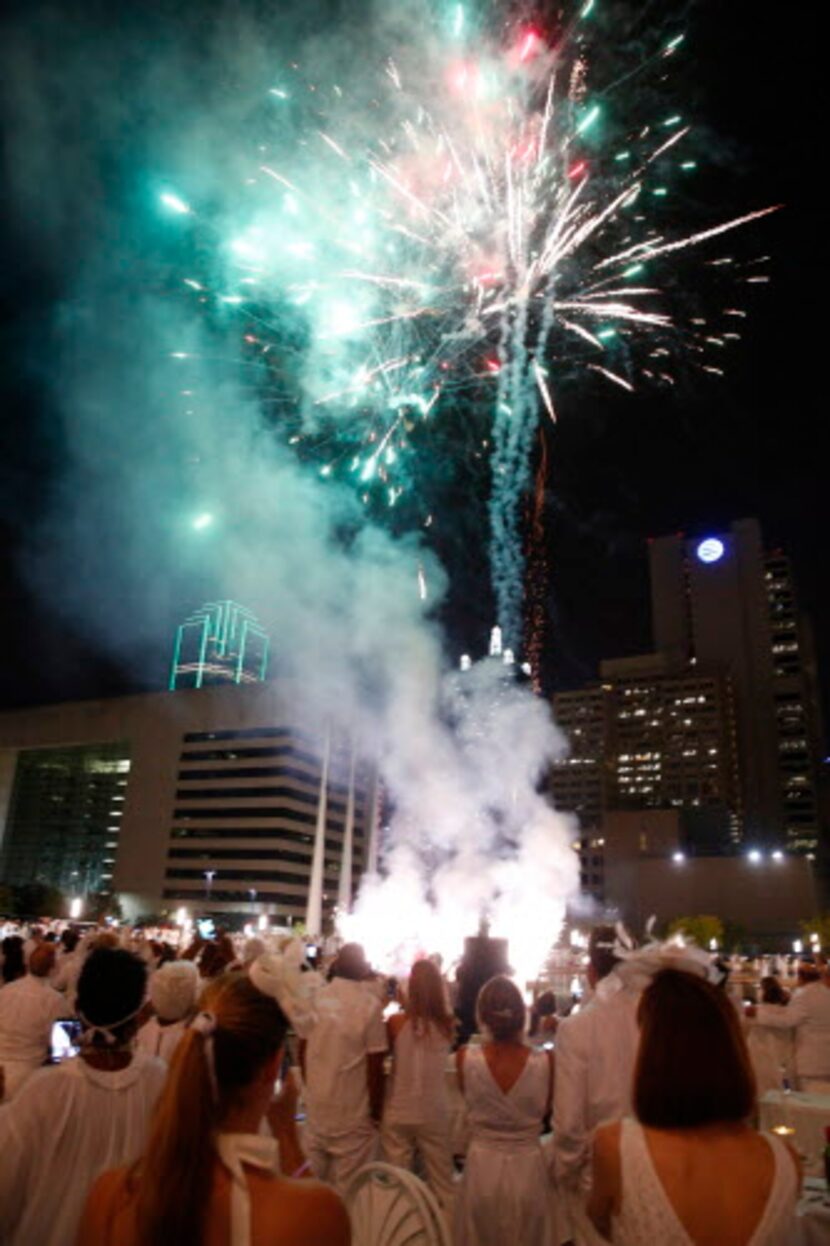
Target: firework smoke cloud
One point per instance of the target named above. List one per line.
(290, 253)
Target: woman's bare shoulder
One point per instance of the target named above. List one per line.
(306, 1211)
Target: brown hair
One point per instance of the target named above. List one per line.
(772, 992)
(601, 953)
(693, 1066)
(173, 1179)
(426, 1002)
(543, 1006)
(501, 1009)
(42, 960)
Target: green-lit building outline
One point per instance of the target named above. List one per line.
(231, 647)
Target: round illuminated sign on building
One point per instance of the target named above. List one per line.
(710, 550)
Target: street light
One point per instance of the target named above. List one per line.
(678, 857)
(209, 876)
(75, 908)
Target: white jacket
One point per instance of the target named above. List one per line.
(595, 1054)
(808, 1013)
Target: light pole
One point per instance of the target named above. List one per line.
(209, 877)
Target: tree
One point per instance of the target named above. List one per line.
(818, 925)
(700, 929)
(40, 900)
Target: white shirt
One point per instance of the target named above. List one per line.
(160, 1040)
(595, 1055)
(348, 1027)
(66, 973)
(29, 1007)
(68, 1124)
(808, 1013)
(417, 1093)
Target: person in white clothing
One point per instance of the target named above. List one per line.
(505, 1195)
(68, 966)
(415, 1116)
(342, 1065)
(173, 991)
(689, 1170)
(596, 1049)
(771, 1051)
(211, 1173)
(72, 1121)
(807, 1016)
(29, 1007)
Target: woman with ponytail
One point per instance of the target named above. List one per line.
(208, 1176)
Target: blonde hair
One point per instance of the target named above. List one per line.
(210, 1067)
(426, 1003)
(501, 1009)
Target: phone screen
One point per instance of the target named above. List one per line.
(64, 1040)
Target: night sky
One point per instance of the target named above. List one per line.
(622, 467)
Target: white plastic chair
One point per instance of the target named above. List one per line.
(390, 1206)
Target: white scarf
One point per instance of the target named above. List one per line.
(234, 1150)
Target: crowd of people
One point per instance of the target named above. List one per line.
(226, 1093)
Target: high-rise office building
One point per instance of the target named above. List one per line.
(721, 722)
(216, 800)
(725, 604)
(797, 714)
(581, 782)
(647, 738)
(64, 817)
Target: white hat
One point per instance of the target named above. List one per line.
(173, 989)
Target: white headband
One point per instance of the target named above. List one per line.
(106, 1031)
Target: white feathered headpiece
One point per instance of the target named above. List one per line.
(282, 976)
(638, 965)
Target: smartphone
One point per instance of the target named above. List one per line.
(64, 1040)
(206, 927)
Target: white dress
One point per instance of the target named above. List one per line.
(504, 1197)
(647, 1216)
(68, 1124)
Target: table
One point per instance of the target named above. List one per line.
(813, 1215)
(807, 1115)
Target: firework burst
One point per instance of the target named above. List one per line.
(473, 234)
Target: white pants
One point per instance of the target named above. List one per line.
(400, 1142)
(335, 1158)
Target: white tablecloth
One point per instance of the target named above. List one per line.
(813, 1216)
(808, 1115)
